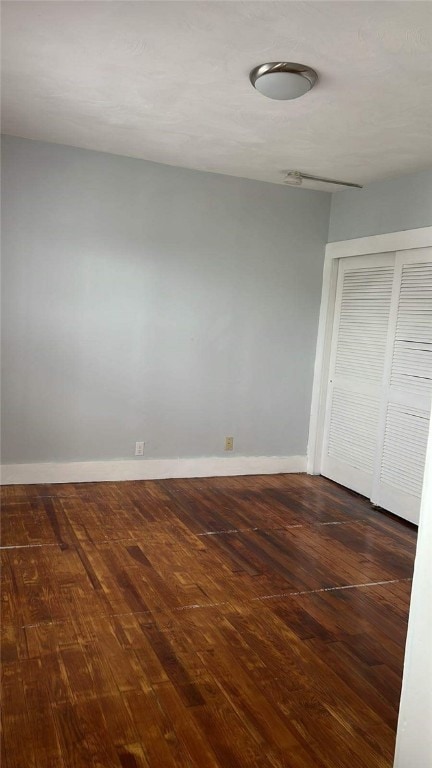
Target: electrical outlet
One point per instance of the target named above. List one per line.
(139, 449)
(229, 443)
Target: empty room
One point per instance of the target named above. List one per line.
(216, 380)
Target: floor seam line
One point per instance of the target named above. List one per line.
(29, 546)
(283, 527)
(331, 589)
(205, 533)
(200, 606)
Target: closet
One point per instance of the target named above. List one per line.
(380, 378)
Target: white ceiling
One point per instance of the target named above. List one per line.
(168, 81)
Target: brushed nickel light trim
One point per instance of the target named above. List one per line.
(295, 179)
(283, 67)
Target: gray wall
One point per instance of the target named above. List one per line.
(145, 302)
(384, 206)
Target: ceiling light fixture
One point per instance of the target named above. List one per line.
(295, 179)
(283, 80)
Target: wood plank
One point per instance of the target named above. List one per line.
(187, 624)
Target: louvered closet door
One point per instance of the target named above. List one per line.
(407, 388)
(360, 338)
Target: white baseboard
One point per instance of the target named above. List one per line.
(149, 469)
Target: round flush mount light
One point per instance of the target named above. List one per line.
(283, 80)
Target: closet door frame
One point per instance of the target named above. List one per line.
(390, 242)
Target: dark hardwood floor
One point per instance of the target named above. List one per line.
(224, 622)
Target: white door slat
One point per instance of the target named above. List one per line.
(410, 375)
(359, 346)
(381, 378)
